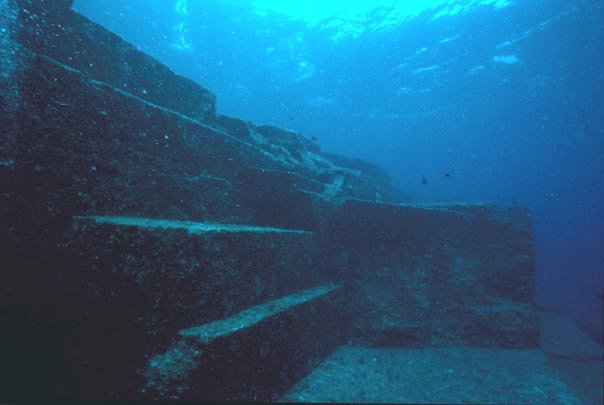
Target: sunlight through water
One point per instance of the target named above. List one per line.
(318, 11)
(351, 18)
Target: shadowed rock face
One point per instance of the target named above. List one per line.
(49, 28)
(133, 212)
(133, 137)
(438, 275)
(146, 280)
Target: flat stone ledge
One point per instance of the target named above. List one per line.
(445, 375)
(256, 354)
(191, 227)
(249, 317)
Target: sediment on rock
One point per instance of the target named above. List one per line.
(133, 211)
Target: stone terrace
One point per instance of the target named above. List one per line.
(153, 249)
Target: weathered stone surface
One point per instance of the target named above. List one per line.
(122, 150)
(119, 155)
(10, 62)
(438, 275)
(374, 179)
(279, 198)
(584, 377)
(128, 157)
(243, 358)
(85, 137)
(139, 281)
(50, 28)
(459, 375)
(341, 177)
(91, 301)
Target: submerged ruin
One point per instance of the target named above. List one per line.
(154, 249)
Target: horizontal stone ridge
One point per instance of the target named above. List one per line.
(203, 363)
(251, 316)
(189, 226)
(450, 207)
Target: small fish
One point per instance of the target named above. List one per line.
(424, 180)
(448, 172)
(314, 138)
(291, 118)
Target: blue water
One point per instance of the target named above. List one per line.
(489, 101)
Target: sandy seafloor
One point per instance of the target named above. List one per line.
(569, 370)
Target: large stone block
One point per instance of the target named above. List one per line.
(90, 149)
(134, 283)
(444, 275)
(255, 355)
(91, 301)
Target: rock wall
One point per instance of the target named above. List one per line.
(201, 220)
(91, 126)
(438, 275)
(140, 138)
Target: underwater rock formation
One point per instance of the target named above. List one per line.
(133, 213)
(438, 275)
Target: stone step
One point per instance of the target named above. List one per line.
(136, 282)
(256, 354)
(438, 274)
(452, 375)
(127, 155)
(194, 228)
(120, 153)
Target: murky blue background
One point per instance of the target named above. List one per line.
(490, 100)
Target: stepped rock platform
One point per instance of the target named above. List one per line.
(443, 376)
(241, 357)
(438, 274)
(154, 249)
